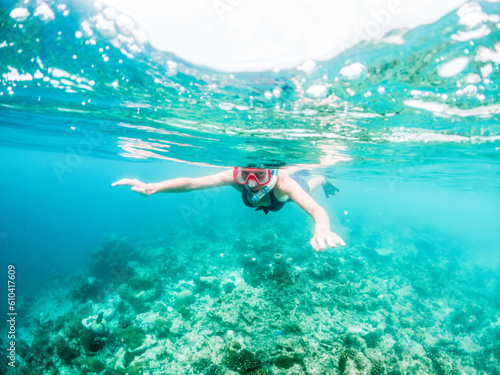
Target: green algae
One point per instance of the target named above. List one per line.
(133, 337)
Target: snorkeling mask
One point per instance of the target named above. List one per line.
(259, 175)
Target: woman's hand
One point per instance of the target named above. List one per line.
(325, 238)
(137, 186)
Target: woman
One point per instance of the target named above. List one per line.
(265, 189)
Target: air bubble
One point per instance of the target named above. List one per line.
(19, 14)
(44, 12)
(352, 71)
(317, 91)
(453, 67)
(307, 67)
(124, 24)
(140, 36)
(109, 13)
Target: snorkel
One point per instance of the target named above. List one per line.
(255, 197)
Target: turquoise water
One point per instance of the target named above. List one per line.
(195, 283)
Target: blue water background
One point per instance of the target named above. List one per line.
(52, 225)
(57, 204)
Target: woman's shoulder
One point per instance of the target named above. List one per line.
(283, 179)
(281, 187)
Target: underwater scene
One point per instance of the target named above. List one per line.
(400, 134)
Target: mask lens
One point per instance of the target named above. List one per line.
(262, 177)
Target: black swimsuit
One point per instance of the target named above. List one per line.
(276, 204)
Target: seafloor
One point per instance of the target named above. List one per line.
(254, 302)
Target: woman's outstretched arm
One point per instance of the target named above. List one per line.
(178, 185)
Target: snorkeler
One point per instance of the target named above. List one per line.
(265, 189)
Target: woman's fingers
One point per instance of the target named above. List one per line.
(124, 181)
(334, 239)
(339, 240)
(318, 242)
(330, 239)
(321, 241)
(141, 190)
(137, 186)
(138, 189)
(314, 244)
(130, 182)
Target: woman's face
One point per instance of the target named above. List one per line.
(251, 184)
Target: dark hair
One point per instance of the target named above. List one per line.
(266, 165)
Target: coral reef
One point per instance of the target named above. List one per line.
(90, 366)
(255, 271)
(65, 351)
(96, 325)
(209, 284)
(88, 289)
(281, 273)
(141, 289)
(133, 337)
(262, 310)
(347, 354)
(322, 271)
(242, 360)
(215, 370)
(111, 257)
(372, 339)
(377, 368)
(161, 327)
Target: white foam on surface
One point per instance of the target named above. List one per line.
(19, 14)
(352, 71)
(394, 39)
(316, 91)
(44, 12)
(480, 32)
(307, 67)
(471, 15)
(486, 70)
(445, 109)
(14, 75)
(485, 54)
(453, 67)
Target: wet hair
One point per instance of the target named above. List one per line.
(266, 165)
